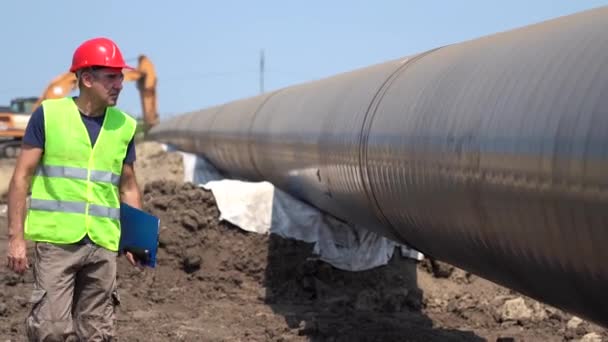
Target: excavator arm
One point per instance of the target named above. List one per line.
(144, 77)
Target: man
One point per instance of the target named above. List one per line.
(77, 157)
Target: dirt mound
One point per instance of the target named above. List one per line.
(194, 240)
(154, 163)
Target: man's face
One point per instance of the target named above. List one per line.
(106, 84)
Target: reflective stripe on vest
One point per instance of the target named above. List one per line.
(77, 173)
(75, 208)
(75, 189)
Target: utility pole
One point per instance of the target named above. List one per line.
(262, 71)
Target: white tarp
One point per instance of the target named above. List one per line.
(261, 208)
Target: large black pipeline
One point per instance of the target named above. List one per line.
(489, 154)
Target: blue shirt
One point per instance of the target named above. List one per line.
(34, 132)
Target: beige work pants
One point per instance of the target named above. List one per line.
(74, 296)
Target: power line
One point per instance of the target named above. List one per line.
(262, 71)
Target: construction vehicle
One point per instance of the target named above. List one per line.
(13, 121)
(14, 118)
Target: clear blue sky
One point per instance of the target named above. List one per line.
(207, 52)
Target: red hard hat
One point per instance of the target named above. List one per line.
(98, 52)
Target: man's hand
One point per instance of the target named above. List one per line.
(17, 258)
(133, 260)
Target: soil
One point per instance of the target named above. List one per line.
(216, 282)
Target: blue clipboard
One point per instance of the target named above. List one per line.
(139, 230)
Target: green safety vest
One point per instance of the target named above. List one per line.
(75, 190)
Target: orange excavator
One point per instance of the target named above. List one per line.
(14, 118)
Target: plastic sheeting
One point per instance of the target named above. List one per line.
(262, 208)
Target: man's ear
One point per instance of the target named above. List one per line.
(86, 79)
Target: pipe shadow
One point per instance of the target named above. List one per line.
(328, 304)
